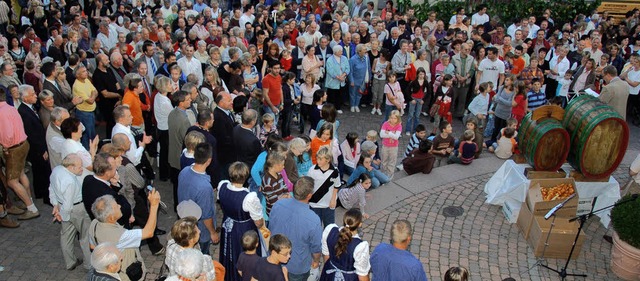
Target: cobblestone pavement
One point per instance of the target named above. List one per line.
(480, 239)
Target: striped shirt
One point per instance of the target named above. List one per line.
(272, 188)
(353, 197)
(535, 100)
(414, 142)
(324, 184)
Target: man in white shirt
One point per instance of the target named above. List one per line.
(247, 16)
(558, 65)
(123, 118)
(491, 69)
(65, 193)
(190, 65)
(107, 37)
(54, 136)
(312, 36)
(533, 27)
(481, 16)
(459, 11)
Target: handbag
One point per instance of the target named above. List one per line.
(434, 109)
(134, 271)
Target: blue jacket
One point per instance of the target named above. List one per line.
(359, 70)
(335, 69)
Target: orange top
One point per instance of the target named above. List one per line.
(132, 100)
(518, 65)
(316, 143)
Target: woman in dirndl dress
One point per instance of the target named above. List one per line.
(242, 212)
(346, 255)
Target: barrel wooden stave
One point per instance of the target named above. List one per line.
(544, 143)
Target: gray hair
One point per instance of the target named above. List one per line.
(101, 164)
(25, 89)
(249, 116)
(336, 48)
(163, 84)
(361, 47)
(102, 208)
(56, 113)
(188, 263)
(70, 160)
(44, 95)
(187, 87)
(401, 231)
(298, 144)
(130, 76)
(302, 188)
(104, 255)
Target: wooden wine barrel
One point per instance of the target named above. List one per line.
(599, 137)
(544, 143)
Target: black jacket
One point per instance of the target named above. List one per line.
(223, 131)
(247, 145)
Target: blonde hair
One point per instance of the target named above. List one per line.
(268, 117)
(372, 134)
(238, 172)
(298, 144)
(324, 152)
(192, 139)
(395, 113)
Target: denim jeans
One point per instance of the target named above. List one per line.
(415, 106)
(354, 96)
(267, 109)
(298, 277)
(327, 215)
(387, 111)
(88, 119)
(204, 247)
(379, 178)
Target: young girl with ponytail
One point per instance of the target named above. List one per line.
(346, 255)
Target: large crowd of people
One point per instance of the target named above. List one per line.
(238, 105)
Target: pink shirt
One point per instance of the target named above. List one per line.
(391, 134)
(11, 127)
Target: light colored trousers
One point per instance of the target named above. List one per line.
(389, 157)
(78, 224)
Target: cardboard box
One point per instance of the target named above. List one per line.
(532, 174)
(560, 240)
(510, 209)
(584, 206)
(525, 219)
(539, 207)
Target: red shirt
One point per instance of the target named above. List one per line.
(274, 84)
(520, 109)
(286, 63)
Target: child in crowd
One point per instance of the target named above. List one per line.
(456, 273)
(289, 101)
(239, 105)
(255, 102)
(372, 136)
(416, 138)
(519, 108)
(268, 127)
(418, 90)
(326, 180)
(350, 148)
(322, 138)
(480, 104)
(563, 87)
(420, 159)
(535, 98)
(443, 143)
(329, 115)
(191, 140)
(443, 96)
(303, 161)
(393, 92)
(353, 196)
(248, 259)
(506, 145)
(286, 60)
(319, 98)
(390, 133)
(467, 150)
(472, 124)
(271, 268)
(381, 67)
(273, 185)
(365, 166)
(490, 124)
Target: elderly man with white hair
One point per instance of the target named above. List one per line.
(54, 136)
(36, 136)
(187, 266)
(65, 193)
(106, 229)
(106, 263)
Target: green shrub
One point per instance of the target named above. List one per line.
(562, 11)
(624, 218)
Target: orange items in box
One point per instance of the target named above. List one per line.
(560, 191)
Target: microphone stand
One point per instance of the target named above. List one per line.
(583, 218)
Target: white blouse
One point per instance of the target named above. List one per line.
(161, 109)
(360, 254)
